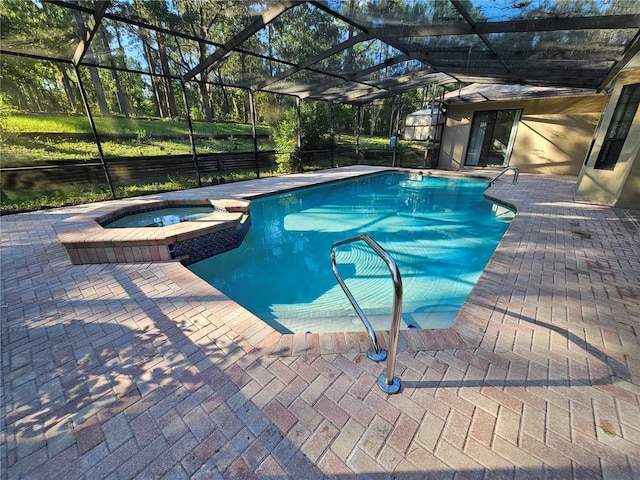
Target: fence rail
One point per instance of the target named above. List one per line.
(131, 170)
(55, 177)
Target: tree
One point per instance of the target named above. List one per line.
(153, 11)
(33, 84)
(124, 104)
(315, 131)
(216, 21)
(98, 89)
(158, 12)
(303, 32)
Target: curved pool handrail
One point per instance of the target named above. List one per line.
(387, 382)
(516, 172)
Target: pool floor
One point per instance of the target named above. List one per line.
(141, 370)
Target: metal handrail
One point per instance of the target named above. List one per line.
(516, 171)
(387, 382)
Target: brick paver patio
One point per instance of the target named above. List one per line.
(125, 371)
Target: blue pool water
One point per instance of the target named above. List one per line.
(162, 217)
(440, 230)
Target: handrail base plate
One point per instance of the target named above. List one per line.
(377, 357)
(385, 387)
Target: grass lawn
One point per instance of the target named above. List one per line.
(26, 190)
(152, 138)
(25, 152)
(80, 124)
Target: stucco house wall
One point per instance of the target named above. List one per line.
(619, 187)
(553, 136)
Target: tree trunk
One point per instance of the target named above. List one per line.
(204, 90)
(247, 106)
(168, 86)
(204, 99)
(154, 81)
(122, 100)
(375, 111)
(22, 98)
(227, 106)
(120, 60)
(98, 90)
(350, 61)
(236, 110)
(270, 34)
(391, 119)
(34, 98)
(245, 94)
(68, 88)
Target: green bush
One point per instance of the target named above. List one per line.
(315, 133)
(5, 111)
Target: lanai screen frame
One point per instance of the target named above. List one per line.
(453, 48)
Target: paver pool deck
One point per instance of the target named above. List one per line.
(142, 370)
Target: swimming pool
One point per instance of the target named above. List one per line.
(440, 230)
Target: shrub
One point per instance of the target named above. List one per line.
(315, 133)
(5, 111)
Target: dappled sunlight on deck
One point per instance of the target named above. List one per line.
(128, 370)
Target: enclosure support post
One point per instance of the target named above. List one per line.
(440, 127)
(299, 136)
(393, 133)
(426, 154)
(192, 139)
(358, 128)
(85, 102)
(333, 133)
(426, 148)
(428, 90)
(254, 133)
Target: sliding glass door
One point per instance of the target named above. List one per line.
(492, 135)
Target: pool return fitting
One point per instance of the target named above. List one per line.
(387, 382)
(516, 172)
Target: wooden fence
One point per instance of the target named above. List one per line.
(89, 174)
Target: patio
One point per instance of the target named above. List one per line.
(143, 371)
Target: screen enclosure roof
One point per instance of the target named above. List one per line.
(346, 51)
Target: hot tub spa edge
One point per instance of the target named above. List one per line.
(87, 241)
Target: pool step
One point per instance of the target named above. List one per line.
(380, 323)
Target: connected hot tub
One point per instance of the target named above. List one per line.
(161, 217)
(188, 231)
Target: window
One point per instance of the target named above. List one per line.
(492, 136)
(619, 127)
